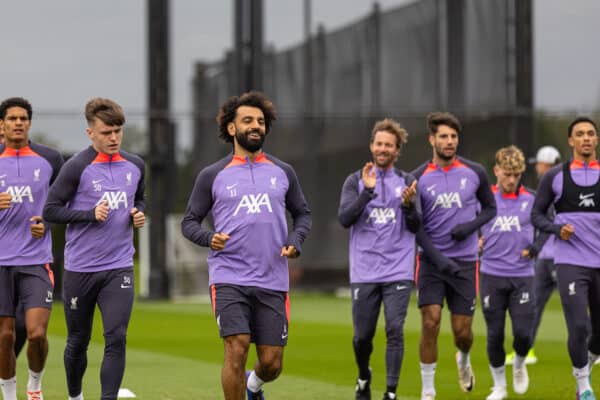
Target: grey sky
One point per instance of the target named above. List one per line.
(60, 53)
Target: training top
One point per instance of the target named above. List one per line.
(574, 189)
(26, 174)
(509, 233)
(87, 179)
(451, 198)
(547, 252)
(382, 230)
(248, 201)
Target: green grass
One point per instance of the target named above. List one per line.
(174, 353)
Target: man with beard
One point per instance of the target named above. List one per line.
(378, 205)
(574, 189)
(451, 191)
(247, 194)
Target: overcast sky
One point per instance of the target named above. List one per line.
(60, 53)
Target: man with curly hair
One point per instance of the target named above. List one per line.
(507, 273)
(248, 193)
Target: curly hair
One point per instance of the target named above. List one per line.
(511, 159)
(393, 127)
(15, 102)
(435, 119)
(228, 111)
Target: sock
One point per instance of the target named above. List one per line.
(254, 382)
(427, 377)
(391, 395)
(34, 383)
(463, 359)
(9, 388)
(499, 375)
(519, 361)
(582, 377)
(592, 358)
(362, 383)
(80, 397)
(391, 389)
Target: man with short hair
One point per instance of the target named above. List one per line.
(378, 205)
(100, 196)
(451, 191)
(27, 170)
(506, 279)
(574, 189)
(247, 193)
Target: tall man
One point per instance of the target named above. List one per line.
(574, 189)
(26, 172)
(100, 195)
(378, 205)
(451, 190)
(506, 279)
(247, 193)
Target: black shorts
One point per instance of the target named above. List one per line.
(261, 313)
(459, 290)
(30, 285)
(499, 294)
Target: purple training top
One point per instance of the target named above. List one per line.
(26, 174)
(382, 231)
(248, 201)
(86, 180)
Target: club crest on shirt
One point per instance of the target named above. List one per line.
(36, 175)
(273, 182)
(398, 191)
(524, 206)
(463, 183)
(128, 178)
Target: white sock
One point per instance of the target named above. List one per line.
(519, 361)
(9, 388)
(582, 377)
(464, 359)
(254, 382)
(391, 395)
(499, 375)
(427, 378)
(80, 397)
(35, 381)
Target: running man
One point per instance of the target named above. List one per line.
(27, 170)
(100, 195)
(507, 275)
(247, 193)
(573, 188)
(451, 191)
(378, 205)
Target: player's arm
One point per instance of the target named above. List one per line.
(61, 193)
(198, 207)
(540, 216)
(411, 207)
(352, 203)
(488, 208)
(295, 203)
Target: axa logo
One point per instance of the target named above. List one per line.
(20, 193)
(587, 200)
(115, 200)
(382, 215)
(253, 203)
(506, 223)
(447, 200)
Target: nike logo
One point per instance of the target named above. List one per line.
(284, 336)
(48, 300)
(2, 176)
(97, 181)
(229, 187)
(581, 195)
(125, 287)
(401, 287)
(430, 188)
(523, 301)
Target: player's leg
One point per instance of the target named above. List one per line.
(232, 310)
(594, 304)
(80, 291)
(8, 378)
(396, 297)
(494, 302)
(522, 310)
(573, 286)
(20, 331)
(115, 301)
(544, 284)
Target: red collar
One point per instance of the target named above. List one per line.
(23, 151)
(576, 164)
(104, 158)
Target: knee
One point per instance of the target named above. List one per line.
(431, 325)
(115, 341)
(363, 337)
(236, 352)
(270, 368)
(7, 338)
(394, 335)
(76, 344)
(36, 335)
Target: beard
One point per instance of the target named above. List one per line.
(440, 153)
(251, 145)
(386, 163)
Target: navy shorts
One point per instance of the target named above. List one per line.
(30, 285)
(515, 294)
(261, 313)
(459, 290)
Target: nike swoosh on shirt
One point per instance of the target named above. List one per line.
(95, 182)
(581, 195)
(229, 187)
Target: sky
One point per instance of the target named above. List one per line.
(60, 53)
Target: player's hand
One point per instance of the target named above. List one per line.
(526, 254)
(101, 211)
(5, 199)
(566, 231)
(369, 176)
(449, 267)
(289, 252)
(37, 227)
(138, 218)
(459, 233)
(480, 244)
(409, 194)
(218, 241)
